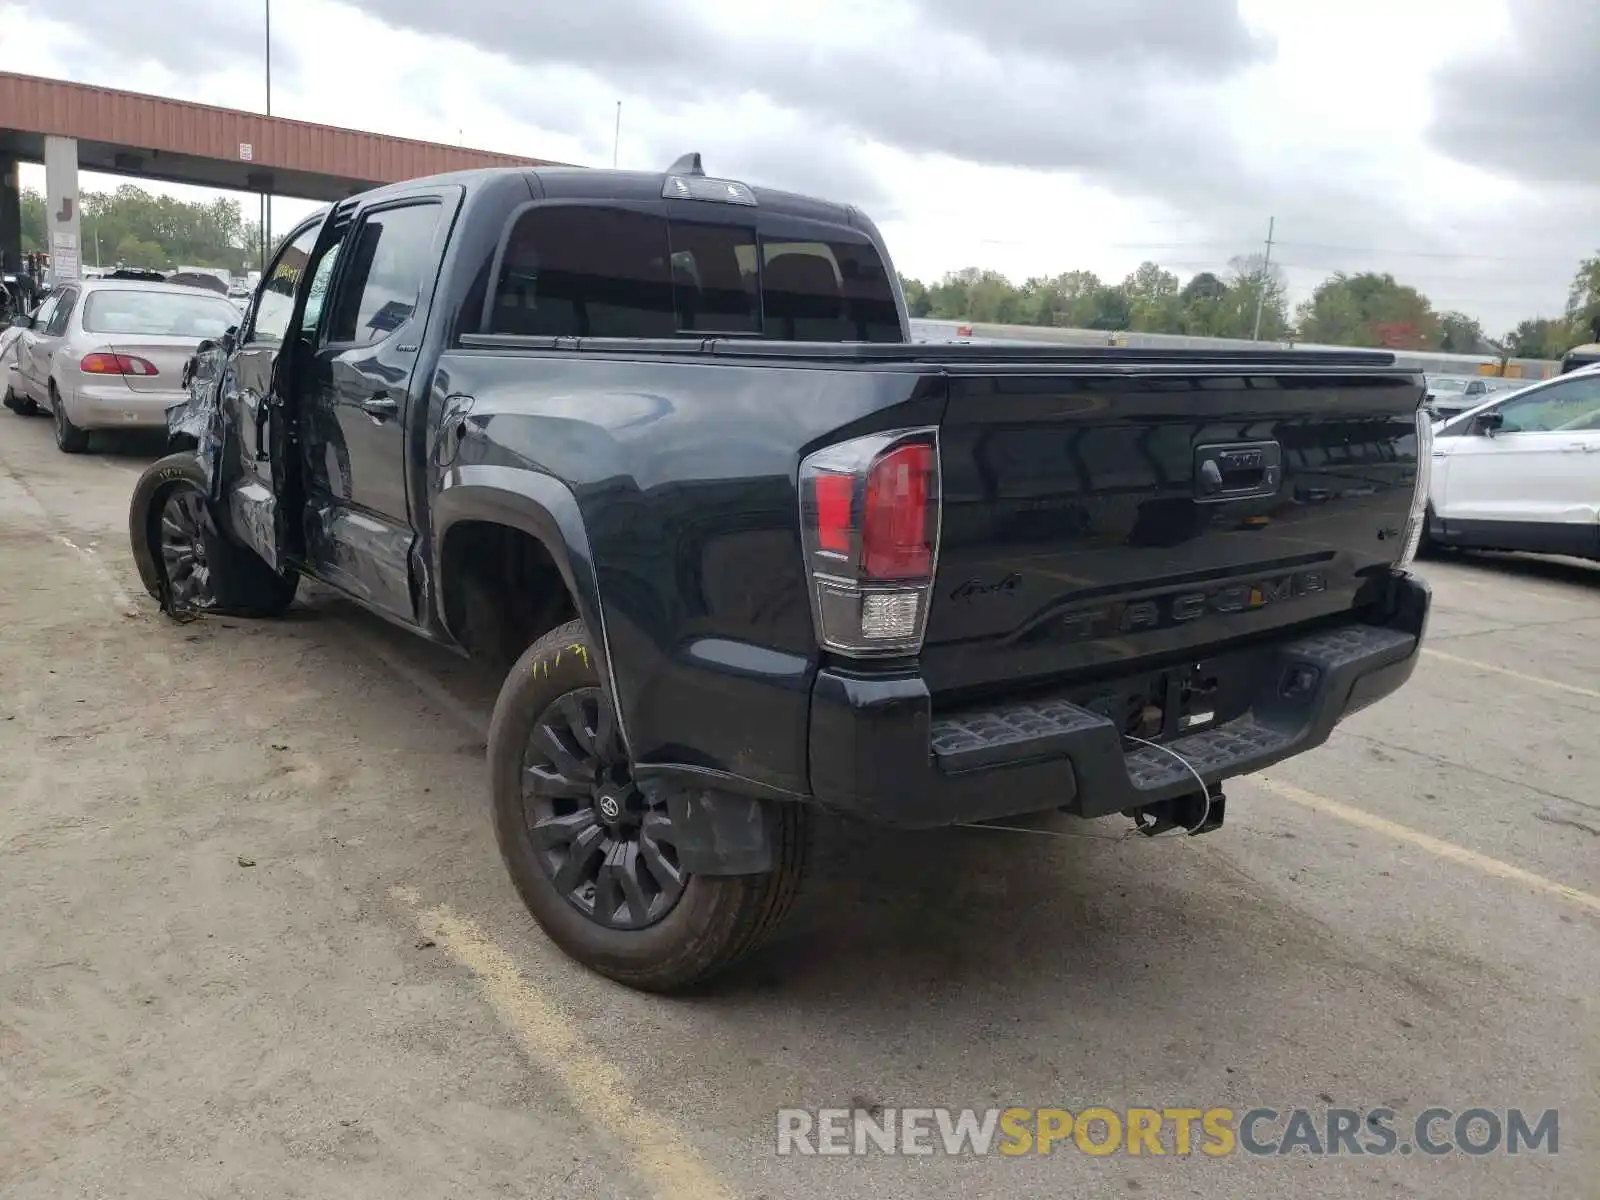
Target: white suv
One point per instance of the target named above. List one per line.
(1522, 471)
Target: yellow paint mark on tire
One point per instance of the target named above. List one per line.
(1424, 841)
(662, 1157)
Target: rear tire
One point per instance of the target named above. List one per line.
(69, 438)
(710, 923)
(185, 560)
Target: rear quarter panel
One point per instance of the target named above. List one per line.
(684, 473)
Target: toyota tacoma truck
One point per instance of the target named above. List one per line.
(659, 444)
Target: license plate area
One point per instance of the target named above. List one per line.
(1161, 705)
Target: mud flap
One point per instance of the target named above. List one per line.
(722, 834)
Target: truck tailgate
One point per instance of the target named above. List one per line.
(1095, 519)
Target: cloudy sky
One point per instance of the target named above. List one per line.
(1454, 143)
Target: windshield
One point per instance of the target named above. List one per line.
(1438, 386)
(160, 314)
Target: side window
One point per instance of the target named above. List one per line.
(387, 258)
(317, 293)
(1564, 407)
(62, 313)
(42, 314)
(585, 271)
(714, 278)
(275, 301)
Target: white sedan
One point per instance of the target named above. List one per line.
(109, 353)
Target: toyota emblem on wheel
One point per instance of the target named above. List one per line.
(609, 808)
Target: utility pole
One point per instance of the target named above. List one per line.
(266, 198)
(1261, 284)
(616, 137)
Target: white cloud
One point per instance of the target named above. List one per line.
(1026, 135)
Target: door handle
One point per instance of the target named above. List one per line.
(380, 407)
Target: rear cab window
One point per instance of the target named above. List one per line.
(572, 269)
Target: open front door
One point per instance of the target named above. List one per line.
(260, 478)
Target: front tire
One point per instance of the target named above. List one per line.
(18, 404)
(185, 560)
(69, 438)
(594, 860)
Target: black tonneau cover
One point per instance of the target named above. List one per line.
(957, 354)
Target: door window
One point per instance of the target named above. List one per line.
(42, 314)
(317, 293)
(388, 258)
(61, 314)
(1563, 407)
(275, 301)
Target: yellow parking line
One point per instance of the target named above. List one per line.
(661, 1157)
(1433, 845)
(1490, 667)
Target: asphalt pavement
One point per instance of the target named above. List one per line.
(258, 940)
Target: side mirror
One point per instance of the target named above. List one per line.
(21, 320)
(206, 345)
(1488, 423)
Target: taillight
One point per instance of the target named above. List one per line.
(1418, 516)
(102, 363)
(869, 512)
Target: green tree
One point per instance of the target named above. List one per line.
(1461, 334)
(916, 292)
(1538, 338)
(1583, 302)
(200, 233)
(1152, 294)
(1112, 309)
(134, 251)
(1253, 282)
(1203, 306)
(33, 221)
(1369, 309)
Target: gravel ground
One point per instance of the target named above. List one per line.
(259, 941)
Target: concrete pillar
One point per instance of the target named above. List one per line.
(61, 207)
(10, 216)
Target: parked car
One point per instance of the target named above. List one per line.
(1452, 394)
(1522, 472)
(109, 353)
(199, 279)
(658, 445)
(1587, 355)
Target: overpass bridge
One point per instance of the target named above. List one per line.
(73, 126)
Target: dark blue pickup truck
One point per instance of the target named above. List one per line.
(658, 443)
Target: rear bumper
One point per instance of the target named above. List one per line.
(877, 749)
(115, 405)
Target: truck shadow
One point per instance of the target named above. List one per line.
(1573, 571)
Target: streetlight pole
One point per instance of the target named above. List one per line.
(266, 198)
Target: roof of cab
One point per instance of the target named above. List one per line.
(592, 183)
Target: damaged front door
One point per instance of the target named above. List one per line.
(252, 410)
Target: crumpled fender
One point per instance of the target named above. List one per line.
(196, 423)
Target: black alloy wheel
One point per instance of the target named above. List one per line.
(606, 848)
(185, 530)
